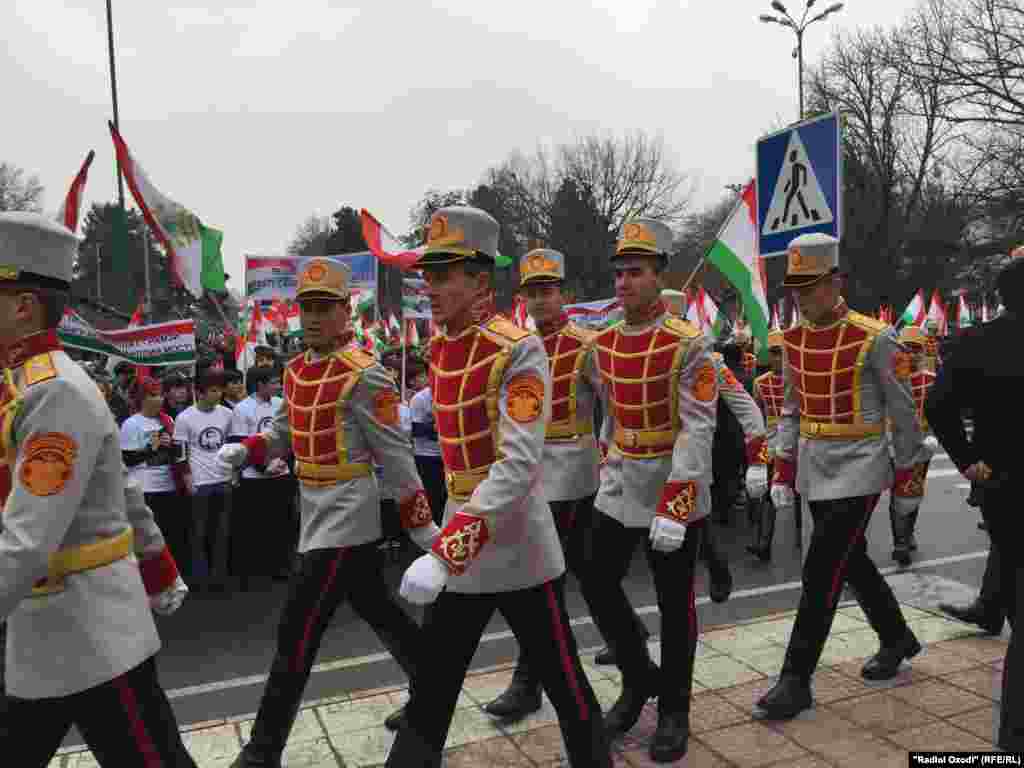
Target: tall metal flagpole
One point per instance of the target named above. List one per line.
(113, 94)
(147, 307)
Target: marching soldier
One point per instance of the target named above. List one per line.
(903, 514)
(844, 374)
(340, 412)
(768, 393)
(79, 551)
(499, 548)
(571, 457)
(660, 386)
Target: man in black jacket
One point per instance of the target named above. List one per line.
(982, 377)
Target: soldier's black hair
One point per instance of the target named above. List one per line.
(1010, 284)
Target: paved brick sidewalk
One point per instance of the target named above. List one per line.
(947, 699)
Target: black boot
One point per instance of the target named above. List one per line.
(635, 693)
(900, 536)
(978, 613)
(885, 664)
(721, 583)
(398, 719)
(670, 740)
(521, 698)
(251, 758)
(605, 657)
(762, 546)
(789, 697)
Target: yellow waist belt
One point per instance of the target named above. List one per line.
(825, 431)
(462, 483)
(627, 439)
(84, 557)
(329, 474)
(567, 430)
(771, 421)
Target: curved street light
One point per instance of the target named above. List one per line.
(798, 27)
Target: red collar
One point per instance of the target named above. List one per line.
(29, 346)
(554, 326)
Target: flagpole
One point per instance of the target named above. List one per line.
(693, 274)
(403, 359)
(113, 93)
(147, 308)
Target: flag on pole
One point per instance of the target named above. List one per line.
(915, 313)
(412, 333)
(193, 249)
(386, 247)
(964, 316)
(734, 253)
(72, 205)
(937, 314)
(245, 347)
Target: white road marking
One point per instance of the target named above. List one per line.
(372, 658)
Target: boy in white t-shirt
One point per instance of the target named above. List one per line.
(265, 526)
(158, 463)
(205, 427)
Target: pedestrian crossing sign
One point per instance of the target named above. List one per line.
(799, 183)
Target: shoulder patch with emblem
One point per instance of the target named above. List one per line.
(682, 328)
(525, 398)
(48, 463)
(358, 358)
(506, 329)
(39, 368)
(865, 322)
(705, 385)
(902, 365)
(385, 407)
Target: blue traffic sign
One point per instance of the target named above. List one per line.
(799, 183)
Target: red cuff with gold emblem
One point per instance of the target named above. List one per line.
(678, 501)
(785, 472)
(257, 448)
(757, 451)
(909, 483)
(159, 572)
(461, 541)
(414, 512)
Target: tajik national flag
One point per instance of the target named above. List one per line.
(193, 249)
(385, 246)
(735, 255)
(937, 314)
(914, 314)
(964, 316)
(72, 205)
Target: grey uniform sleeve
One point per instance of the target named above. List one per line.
(891, 365)
(788, 435)
(683, 495)
(742, 405)
(592, 377)
(374, 404)
(55, 434)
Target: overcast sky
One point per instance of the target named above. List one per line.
(256, 116)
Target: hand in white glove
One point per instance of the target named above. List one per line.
(932, 444)
(757, 481)
(423, 537)
(233, 455)
(170, 600)
(424, 580)
(782, 496)
(666, 535)
(277, 466)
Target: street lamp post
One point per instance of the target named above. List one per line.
(798, 28)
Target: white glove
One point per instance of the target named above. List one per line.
(782, 496)
(757, 481)
(932, 444)
(277, 467)
(666, 535)
(424, 580)
(233, 455)
(423, 537)
(170, 600)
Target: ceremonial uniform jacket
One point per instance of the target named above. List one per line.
(920, 383)
(660, 388)
(769, 391)
(743, 407)
(492, 401)
(339, 415)
(841, 382)
(68, 501)
(571, 457)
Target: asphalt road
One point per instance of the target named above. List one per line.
(218, 647)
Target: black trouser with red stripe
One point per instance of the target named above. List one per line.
(325, 578)
(127, 723)
(837, 555)
(452, 632)
(612, 547)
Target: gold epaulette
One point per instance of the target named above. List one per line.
(506, 330)
(578, 332)
(865, 322)
(682, 328)
(357, 358)
(39, 368)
